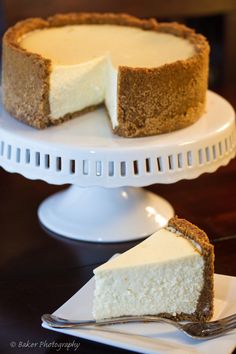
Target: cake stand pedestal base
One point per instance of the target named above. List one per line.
(78, 153)
(98, 214)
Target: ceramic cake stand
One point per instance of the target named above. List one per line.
(105, 202)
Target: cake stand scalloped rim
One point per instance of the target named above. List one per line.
(111, 161)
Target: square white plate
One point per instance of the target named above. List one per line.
(152, 337)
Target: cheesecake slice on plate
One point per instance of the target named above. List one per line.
(170, 274)
(152, 77)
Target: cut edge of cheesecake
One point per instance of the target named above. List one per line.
(200, 243)
(27, 97)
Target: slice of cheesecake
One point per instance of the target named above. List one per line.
(151, 76)
(170, 274)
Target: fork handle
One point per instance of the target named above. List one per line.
(58, 322)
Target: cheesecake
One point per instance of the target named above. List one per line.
(152, 77)
(170, 274)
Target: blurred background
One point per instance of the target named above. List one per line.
(216, 19)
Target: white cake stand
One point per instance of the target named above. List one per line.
(105, 203)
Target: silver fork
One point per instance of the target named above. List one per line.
(198, 330)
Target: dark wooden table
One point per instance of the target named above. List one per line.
(39, 272)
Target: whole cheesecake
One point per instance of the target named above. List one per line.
(151, 76)
(170, 274)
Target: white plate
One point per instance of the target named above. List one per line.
(152, 337)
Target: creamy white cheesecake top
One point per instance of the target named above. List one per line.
(163, 246)
(128, 46)
(85, 60)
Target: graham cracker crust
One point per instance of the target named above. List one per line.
(204, 310)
